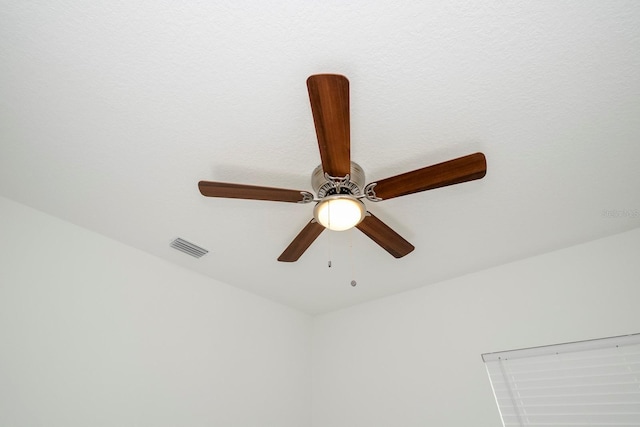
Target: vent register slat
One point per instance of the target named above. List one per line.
(569, 385)
(188, 248)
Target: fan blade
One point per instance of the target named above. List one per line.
(462, 169)
(384, 236)
(252, 192)
(329, 96)
(301, 243)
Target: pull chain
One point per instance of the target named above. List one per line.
(329, 238)
(353, 280)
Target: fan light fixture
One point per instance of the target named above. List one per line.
(339, 183)
(339, 212)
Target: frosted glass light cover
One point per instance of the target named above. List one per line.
(339, 212)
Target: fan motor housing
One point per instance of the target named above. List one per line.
(324, 187)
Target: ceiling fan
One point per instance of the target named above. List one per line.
(339, 183)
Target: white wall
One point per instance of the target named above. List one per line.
(95, 333)
(414, 359)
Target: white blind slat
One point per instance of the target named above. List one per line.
(577, 409)
(567, 368)
(571, 399)
(576, 391)
(576, 419)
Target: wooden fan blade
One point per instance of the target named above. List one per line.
(462, 169)
(301, 243)
(251, 192)
(329, 96)
(384, 236)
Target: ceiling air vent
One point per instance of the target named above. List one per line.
(188, 248)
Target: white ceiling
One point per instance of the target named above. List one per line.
(111, 112)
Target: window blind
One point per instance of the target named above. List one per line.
(587, 383)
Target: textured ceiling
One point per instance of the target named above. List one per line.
(111, 112)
